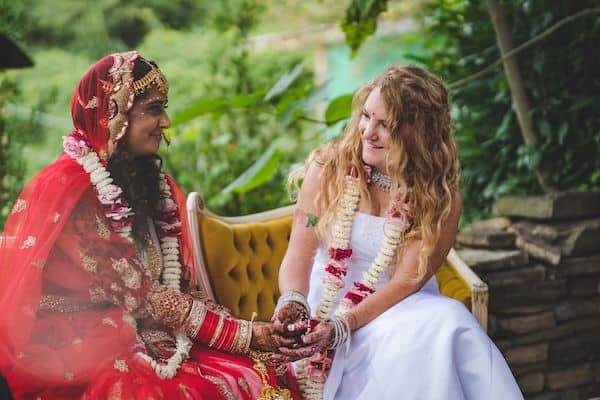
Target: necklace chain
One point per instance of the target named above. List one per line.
(383, 181)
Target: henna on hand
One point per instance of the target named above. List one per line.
(317, 340)
(267, 336)
(294, 317)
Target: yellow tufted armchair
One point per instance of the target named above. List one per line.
(238, 259)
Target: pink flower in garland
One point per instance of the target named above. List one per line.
(75, 148)
(110, 195)
(333, 280)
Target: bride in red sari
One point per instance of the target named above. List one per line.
(97, 292)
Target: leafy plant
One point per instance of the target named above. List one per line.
(561, 79)
(360, 21)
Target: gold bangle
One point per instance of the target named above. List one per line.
(195, 319)
(217, 332)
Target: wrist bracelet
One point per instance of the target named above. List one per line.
(341, 331)
(292, 296)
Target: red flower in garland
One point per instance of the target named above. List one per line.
(339, 254)
(337, 269)
(358, 293)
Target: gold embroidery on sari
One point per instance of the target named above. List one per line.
(121, 365)
(116, 391)
(55, 217)
(29, 242)
(102, 228)
(97, 294)
(109, 321)
(93, 103)
(76, 341)
(61, 304)
(19, 206)
(130, 276)
(121, 95)
(39, 263)
(224, 388)
(129, 320)
(130, 302)
(69, 376)
(184, 390)
(243, 385)
(89, 264)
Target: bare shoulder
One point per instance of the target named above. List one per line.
(456, 200)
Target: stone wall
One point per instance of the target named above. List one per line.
(541, 261)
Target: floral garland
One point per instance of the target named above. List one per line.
(120, 217)
(312, 371)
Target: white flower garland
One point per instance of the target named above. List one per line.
(120, 216)
(310, 382)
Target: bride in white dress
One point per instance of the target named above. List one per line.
(376, 216)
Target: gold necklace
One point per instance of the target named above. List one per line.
(154, 258)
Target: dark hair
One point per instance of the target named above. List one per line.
(138, 177)
(141, 67)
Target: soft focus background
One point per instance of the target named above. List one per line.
(255, 85)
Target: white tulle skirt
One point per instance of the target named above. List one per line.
(427, 347)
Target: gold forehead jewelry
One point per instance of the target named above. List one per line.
(154, 76)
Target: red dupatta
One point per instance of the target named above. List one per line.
(99, 108)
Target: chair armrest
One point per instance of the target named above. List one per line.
(479, 289)
(195, 204)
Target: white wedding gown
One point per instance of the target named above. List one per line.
(426, 347)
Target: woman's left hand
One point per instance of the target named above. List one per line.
(318, 339)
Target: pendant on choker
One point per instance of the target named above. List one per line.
(383, 181)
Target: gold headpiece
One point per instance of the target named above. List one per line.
(154, 76)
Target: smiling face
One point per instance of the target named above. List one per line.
(376, 134)
(147, 120)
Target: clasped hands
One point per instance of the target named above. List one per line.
(291, 335)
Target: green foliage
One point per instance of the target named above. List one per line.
(13, 132)
(11, 19)
(561, 78)
(236, 139)
(104, 26)
(360, 21)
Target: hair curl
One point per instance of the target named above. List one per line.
(422, 160)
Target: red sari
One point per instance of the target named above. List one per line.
(71, 323)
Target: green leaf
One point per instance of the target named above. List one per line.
(259, 173)
(562, 132)
(244, 100)
(338, 109)
(312, 220)
(284, 82)
(360, 21)
(201, 107)
(545, 128)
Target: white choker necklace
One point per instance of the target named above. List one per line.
(383, 181)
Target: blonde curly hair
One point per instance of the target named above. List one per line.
(422, 160)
